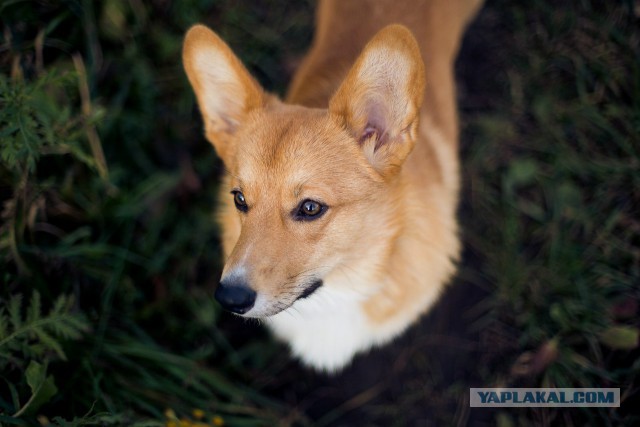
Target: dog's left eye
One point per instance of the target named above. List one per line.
(309, 210)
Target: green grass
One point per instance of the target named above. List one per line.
(107, 189)
(553, 162)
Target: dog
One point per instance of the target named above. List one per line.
(338, 205)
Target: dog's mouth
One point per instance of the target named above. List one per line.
(310, 289)
(265, 308)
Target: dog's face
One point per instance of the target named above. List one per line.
(299, 187)
(310, 189)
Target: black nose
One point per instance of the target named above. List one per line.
(235, 296)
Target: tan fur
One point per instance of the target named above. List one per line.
(358, 133)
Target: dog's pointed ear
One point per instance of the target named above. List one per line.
(225, 90)
(380, 98)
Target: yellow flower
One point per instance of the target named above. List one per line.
(217, 421)
(198, 414)
(169, 413)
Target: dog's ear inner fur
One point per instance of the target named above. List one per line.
(380, 98)
(225, 90)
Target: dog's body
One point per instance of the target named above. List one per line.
(341, 230)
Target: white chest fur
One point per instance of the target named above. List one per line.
(326, 329)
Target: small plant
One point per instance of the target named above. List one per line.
(35, 339)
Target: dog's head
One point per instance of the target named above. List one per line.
(312, 190)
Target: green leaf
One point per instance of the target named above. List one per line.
(33, 311)
(15, 305)
(35, 376)
(15, 398)
(59, 306)
(43, 388)
(4, 324)
(522, 172)
(504, 420)
(620, 337)
(50, 342)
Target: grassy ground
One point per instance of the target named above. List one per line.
(109, 254)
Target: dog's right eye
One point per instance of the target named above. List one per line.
(239, 200)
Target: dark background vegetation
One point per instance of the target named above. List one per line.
(109, 255)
